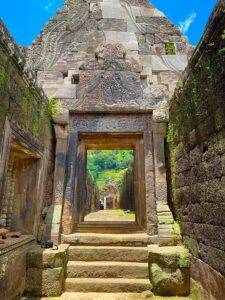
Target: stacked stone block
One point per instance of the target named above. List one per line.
(46, 271)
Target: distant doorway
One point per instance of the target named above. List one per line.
(110, 179)
(110, 186)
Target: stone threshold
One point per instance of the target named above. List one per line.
(14, 243)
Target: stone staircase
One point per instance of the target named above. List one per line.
(108, 263)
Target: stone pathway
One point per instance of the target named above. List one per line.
(110, 215)
(108, 296)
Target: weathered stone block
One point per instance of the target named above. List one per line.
(47, 258)
(112, 9)
(213, 257)
(127, 39)
(171, 257)
(111, 51)
(167, 282)
(168, 78)
(210, 281)
(45, 282)
(169, 270)
(195, 156)
(213, 213)
(183, 164)
(112, 25)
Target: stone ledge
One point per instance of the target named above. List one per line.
(14, 243)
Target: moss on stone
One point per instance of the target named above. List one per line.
(170, 48)
(197, 105)
(195, 291)
(53, 106)
(2, 74)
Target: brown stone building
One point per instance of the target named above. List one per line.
(109, 69)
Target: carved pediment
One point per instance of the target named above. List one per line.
(109, 89)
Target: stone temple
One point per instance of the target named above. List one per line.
(113, 74)
(112, 66)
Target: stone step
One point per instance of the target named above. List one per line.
(165, 220)
(109, 296)
(133, 239)
(108, 227)
(163, 207)
(107, 285)
(106, 269)
(108, 253)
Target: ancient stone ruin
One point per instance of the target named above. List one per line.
(102, 76)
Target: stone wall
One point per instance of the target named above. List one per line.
(196, 137)
(127, 200)
(25, 130)
(13, 267)
(92, 194)
(46, 271)
(25, 161)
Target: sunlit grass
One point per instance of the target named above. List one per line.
(124, 214)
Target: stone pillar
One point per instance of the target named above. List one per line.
(159, 135)
(166, 232)
(54, 215)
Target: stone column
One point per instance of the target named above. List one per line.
(54, 215)
(159, 135)
(166, 234)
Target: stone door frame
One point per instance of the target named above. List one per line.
(113, 141)
(15, 139)
(104, 123)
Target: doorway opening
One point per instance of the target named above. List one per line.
(98, 194)
(110, 186)
(18, 205)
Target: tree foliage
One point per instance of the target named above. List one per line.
(111, 163)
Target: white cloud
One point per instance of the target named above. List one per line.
(49, 5)
(185, 25)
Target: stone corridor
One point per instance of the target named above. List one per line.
(109, 75)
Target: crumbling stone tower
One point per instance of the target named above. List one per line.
(112, 65)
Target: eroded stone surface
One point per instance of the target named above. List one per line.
(105, 285)
(47, 258)
(107, 253)
(107, 269)
(82, 31)
(169, 269)
(46, 271)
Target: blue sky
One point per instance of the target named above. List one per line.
(25, 18)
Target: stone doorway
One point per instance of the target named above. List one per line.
(115, 141)
(110, 131)
(18, 197)
(110, 186)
